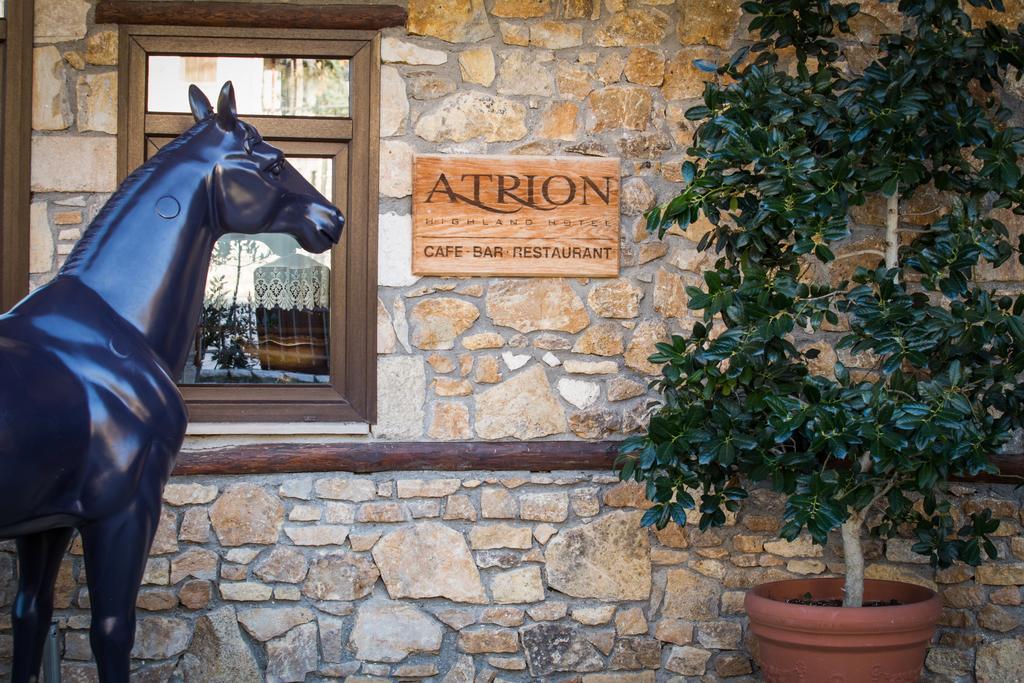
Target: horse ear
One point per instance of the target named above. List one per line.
(227, 116)
(197, 102)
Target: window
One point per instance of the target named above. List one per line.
(15, 141)
(285, 336)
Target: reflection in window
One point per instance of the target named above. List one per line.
(271, 86)
(266, 310)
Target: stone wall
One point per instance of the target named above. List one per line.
(491, 576)
(482, 576)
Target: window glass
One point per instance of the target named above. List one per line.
(273, 86)
(266, 310)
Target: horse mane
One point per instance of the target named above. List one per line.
(124, 191)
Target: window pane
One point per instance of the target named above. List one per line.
(266, 311)
(273, 86)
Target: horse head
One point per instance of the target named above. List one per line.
(255, 189)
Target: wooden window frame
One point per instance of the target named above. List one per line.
(351, 394)
(15, 151)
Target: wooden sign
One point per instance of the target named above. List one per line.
(510, 215)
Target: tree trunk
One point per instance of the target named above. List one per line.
(853, 552)
(892, 237)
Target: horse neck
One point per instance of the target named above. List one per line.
(149, 268)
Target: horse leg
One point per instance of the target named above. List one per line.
(39, 558)
(116, 549)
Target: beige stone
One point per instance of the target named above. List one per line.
(454, 21)
(536, 304)
(264, 623)
(600, 339)
(573, 80)
(317, 534)
(382, 512)
(683, 80)
(195, 526)
(97, 102)
(713, 22)
(245, 513)
(526, 72)
(40, 255)
(616, 299)
(427, 488)
(594, 423)
(593, 616)
(1000, 574)
(630, 622)
(606, 559)
(482, 639)
(340, 576)
(60, 21)
(609, 70)
(401, 393)
(1000, 661)
(514, 33)
(544, 507)
(430, 86)
(395, 168)
(395, 50)
(645, 67)
(484, 340)
(688, 661)
(450, 422)
(581, 9)
(437, 322)
(517, 586)
(294, 655)
(282, 564)
(641, 346)
(522, 407)
(558, 122)
(394, 103)
(476, 65)
(636, 196)
(51, 171)
(555, 35)
(621, 389)
(497, 503)
(490, 536)
(521, 9)
(101, 48)
(469, 114)
(189, 494)
(630, 27)
(447, 386)
(218, 653)
(387, 631)
(245, 591)
(620, 106)
(459, 507)
(802, 546)
(198, 563)
(487, 370)
(51, 109)
(428, 560)
(195, 594)
(160, 637)
(386, 339)
(690, 596)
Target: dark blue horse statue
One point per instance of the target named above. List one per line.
(90, 417)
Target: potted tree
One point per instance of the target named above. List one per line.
(795, 141)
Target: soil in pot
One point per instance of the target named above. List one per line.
(800, 643)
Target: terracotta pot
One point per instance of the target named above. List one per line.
(803, 643)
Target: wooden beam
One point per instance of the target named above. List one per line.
(365, 457)
(249, 14)
(16, 159)
(383, 456)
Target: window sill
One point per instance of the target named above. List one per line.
(279, 429)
